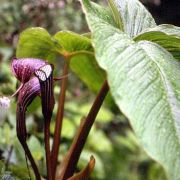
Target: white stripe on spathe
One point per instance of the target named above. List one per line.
(44, 72)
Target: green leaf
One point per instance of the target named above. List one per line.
(168, 36)
(133, 14)
(82, 59)
(36, 43)
(144, 81)
(73, 42)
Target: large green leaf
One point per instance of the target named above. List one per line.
(145, 82)
(168, 36)
(133, 15)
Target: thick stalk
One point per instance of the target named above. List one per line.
(59, 119)
(47, 149)
(70, 161)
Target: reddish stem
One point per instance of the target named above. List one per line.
(70, 161)
(31, 159)
(47, 148)
(21, 134)
(59, 119)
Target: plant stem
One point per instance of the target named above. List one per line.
(59, 119)
(70, 161)
(47, 148)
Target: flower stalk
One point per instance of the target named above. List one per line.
(59, 119)
(45, 76)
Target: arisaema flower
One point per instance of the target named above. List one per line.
(36, 78)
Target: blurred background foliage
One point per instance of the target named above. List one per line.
(111, 141)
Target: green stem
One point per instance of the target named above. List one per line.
(70, 161)
(59, 119)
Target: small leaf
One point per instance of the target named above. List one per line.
(168, 36)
